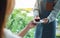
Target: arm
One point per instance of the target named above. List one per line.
(36, 9)
(9, 34)
(26, 29)
(54, 12)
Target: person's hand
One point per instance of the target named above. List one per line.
(37, 18)
(45, 20)
(27, 28)
(31, 24)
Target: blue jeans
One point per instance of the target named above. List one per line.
(46, 30)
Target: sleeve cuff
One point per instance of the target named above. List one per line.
(36, 13)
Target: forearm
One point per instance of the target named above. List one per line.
(24, 31)
(53, 15)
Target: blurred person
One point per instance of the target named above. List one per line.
(6, 7)
(46, 10)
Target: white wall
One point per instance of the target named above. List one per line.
(24, 3)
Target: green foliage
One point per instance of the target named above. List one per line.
(19, 19)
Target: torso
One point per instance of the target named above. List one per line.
(46, 6)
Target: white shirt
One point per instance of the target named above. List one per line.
(9, 34)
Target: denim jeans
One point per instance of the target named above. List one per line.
(46, 30)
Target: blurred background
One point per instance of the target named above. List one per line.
(22, 14)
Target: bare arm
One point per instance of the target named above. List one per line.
(26, 29)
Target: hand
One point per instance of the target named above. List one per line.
(31, 24)
(27, 28)
(45, 20)
(37, 18)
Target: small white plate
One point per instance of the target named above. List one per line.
(41, 21)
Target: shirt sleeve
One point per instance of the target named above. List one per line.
(54, 12)
(9, 34)
(36, 9)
